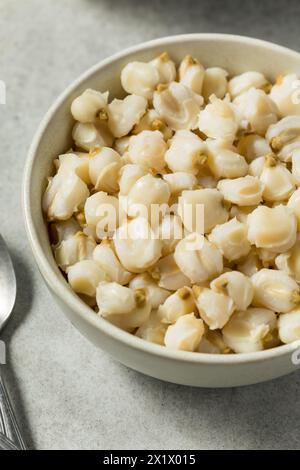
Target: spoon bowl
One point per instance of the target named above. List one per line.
(8, 284)
(10, 436)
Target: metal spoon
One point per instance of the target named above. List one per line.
(10, 436)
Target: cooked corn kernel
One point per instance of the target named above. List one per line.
(272, 228)
(231, 239)
(199, 259)
(289, 326)
(192, 205)
(275, 290)
(242, 83)
(177, 105)
(237, 286)
(178, 304)
(185, 334)
(122, 306)
(214, 83)
(215, 308)
(250, 330)
(245, 191)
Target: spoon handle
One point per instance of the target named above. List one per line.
(8, 423)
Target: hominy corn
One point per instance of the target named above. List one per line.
(185, 334)
(242, 83)
(175, 214)
(251, 330)
(214, 83)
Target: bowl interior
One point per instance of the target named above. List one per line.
(235, 54)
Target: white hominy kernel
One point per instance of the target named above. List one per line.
(69, 162)
(294, 205)
(212, 343)
(282, 94)
(244, 191)
(168, 274)
(283, 132)
(104, 168)
(165, 67)
(84, 277)
(285, 154)
(136, 246)
(215, 308)
(147, 191)
(231, 239)
(64, 195)
(122, 306)
(114, 299)
(64, 229)
(128, 176)
(157, 295)
(153, 330)
(290, 261)
(209, 202)
(75, 248)
(180, 181)
(289, 326)
(124, 114)
(296, 166)
(140, 78)
(214, 83)
(256, 109)
(241, 212)
(253, 146)
(148, 149)
(170, 231)
(121, 145)
(275, 290)
(191, 74)
(96, 207)
(242, 83)
(218, 120)
(86, 107)
(186, 152)
(267, 257)
(272, 228)
(237, 286)
(256, 166)
(251, 264)
(177, 304)
(106, 258)
(225, 162)
(277, 180)
(90, 231)
(88, 136)
(197, 258)
(177, 105)
(185, 334)
(251, 330)
(151, 121)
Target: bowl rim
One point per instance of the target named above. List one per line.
(60, 286)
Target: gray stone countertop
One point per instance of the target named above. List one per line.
(68, 394)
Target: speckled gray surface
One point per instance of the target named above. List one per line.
(69, 395)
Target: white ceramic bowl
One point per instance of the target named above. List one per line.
(234, 53)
